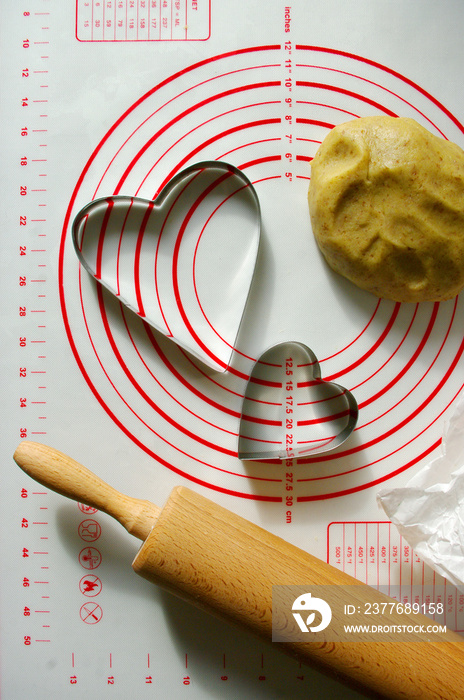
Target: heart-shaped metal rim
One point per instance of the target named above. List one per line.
(274, 429)
(198, 349)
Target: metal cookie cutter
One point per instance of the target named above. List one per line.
(288, 411)
(184, 261)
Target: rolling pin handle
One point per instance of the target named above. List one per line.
(60, 473)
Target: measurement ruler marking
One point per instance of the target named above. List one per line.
(391, 565)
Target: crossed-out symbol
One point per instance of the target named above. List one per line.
(90, 585)
(87, 509)
(91, 613)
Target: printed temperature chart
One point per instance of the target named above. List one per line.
(376, 554)
(143, 20)
(114, 98)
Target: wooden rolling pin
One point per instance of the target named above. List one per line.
(227, 566)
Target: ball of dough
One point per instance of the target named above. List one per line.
(386, 202)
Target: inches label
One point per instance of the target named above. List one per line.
(143, 20)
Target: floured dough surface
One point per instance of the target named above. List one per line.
(386, 201)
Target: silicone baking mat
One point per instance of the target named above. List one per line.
(114, 97)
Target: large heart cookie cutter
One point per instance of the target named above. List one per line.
(183, 262)
(288, 411)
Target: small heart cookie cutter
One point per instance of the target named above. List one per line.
(288, 411)
(183, 262)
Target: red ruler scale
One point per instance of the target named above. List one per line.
(28, 250)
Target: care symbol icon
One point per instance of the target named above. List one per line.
(87, 509)
(90, 585)
(89, 530)
(90, 558)
(91, 613)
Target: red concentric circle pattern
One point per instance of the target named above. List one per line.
(265, 109)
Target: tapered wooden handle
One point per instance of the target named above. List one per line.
(67, 477)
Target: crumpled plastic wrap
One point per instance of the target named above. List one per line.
(429, 510)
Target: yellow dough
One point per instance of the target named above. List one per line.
(386, 201)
